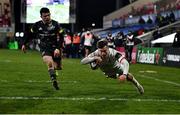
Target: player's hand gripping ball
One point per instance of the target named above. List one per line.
(56, 53)
(98, 60)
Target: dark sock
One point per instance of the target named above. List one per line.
(52, 74)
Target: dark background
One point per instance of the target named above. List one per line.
(87, 12)
(92, 11)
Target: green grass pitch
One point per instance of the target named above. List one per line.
(25, 88)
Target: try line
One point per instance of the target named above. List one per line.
(89, 99)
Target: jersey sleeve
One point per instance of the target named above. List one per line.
(123, 62)
(90, 58)
(59, 34)
(31, 35)
(34, 28)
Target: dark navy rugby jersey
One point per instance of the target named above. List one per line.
(48, 34)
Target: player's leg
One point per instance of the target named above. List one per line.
(87, 50)
(132, 79)
(50, 63)
(130, 53)
(57, 64)
(58, 61)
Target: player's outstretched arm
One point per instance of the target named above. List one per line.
(88, 59)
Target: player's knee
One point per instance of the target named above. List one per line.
(129, 77)
(50, 64)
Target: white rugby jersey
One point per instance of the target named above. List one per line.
(114, 63)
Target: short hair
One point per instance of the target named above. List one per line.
(102, 43)
(44, 10)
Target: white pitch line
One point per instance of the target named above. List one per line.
(89, 99)
(34, 81)
(164, 81)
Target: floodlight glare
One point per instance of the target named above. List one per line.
(17, 34)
